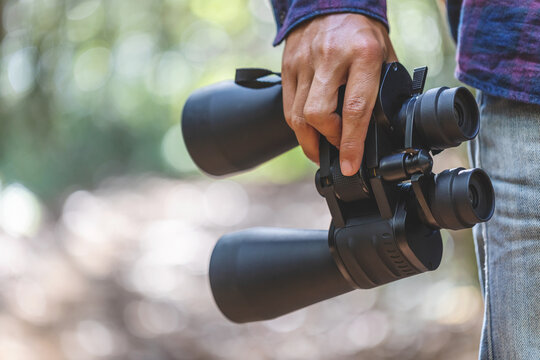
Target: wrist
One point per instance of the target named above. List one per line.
(290, 17)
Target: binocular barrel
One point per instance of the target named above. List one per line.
(229, 128)
(262, 273)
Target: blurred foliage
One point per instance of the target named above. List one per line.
(94, 89)
(122, 274)
(90, 89)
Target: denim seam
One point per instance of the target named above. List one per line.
(489, 332)
(487, 298)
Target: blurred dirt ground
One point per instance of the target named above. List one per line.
(122, 274)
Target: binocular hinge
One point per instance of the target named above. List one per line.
(325, 184)
(421, 199)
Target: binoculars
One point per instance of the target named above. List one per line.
(386, 219)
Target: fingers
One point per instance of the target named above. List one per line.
(319, 57)
(321, 103)
(307, 136)
(358, 104)
(288, 85)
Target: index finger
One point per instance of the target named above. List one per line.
(360, 97)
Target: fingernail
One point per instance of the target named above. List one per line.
(346, 168)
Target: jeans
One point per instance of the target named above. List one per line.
(508, 246)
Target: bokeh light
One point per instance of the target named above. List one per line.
(107, 227)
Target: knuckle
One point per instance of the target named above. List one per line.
(350, 145)
(356, 106)
(297, 122)
(287, 65)
(369, 48)
(287, 117)
(313, 113)
(309, 154)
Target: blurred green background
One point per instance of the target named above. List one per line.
(93, 89)
(95, 180)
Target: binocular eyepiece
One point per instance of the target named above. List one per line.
(444, 117)
(468, 192)
(385, 219)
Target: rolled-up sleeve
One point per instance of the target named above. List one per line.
(290, 13)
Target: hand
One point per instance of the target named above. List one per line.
(319, 57)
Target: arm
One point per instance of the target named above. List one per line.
(326, 48)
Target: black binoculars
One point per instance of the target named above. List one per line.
(386, 219)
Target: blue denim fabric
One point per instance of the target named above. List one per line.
(508, 246)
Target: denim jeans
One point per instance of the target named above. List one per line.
(508, 246)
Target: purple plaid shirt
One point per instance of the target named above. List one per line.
(498, 41)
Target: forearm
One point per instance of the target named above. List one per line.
(291, 13)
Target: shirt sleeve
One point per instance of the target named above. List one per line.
(290, 13)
